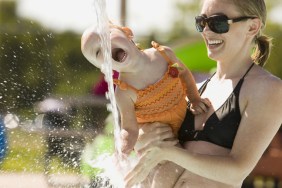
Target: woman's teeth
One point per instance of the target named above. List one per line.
(213, 42)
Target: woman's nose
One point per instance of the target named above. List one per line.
(206, 28)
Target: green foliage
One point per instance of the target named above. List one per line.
(7, 11)
(194, 56)
(274, 64)
(36, 63)
(25, 66)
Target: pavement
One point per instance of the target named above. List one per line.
(29, 180)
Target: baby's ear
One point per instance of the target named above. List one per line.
(128, 32)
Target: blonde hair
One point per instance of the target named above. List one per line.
(263, 43)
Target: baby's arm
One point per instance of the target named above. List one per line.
(198, 104)
(129, 125)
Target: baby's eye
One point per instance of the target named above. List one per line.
(98, 52)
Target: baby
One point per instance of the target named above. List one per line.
(152, 87)
(152, 84)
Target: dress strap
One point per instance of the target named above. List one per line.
(124, 86)
(162, 51)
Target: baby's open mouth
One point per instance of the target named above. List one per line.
(119, 54)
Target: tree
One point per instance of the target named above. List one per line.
(36, 62)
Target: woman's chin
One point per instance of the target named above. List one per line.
(212, 56)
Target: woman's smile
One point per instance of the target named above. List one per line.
(214, 43)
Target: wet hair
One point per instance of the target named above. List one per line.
(128, 32)
(263, 43)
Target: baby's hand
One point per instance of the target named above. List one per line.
(199, 107)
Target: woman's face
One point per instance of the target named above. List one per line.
(225, 46)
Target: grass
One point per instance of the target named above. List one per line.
(26, 153)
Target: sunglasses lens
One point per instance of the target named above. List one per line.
(218, 24)
(200, 23)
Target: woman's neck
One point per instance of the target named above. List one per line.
(232, 69)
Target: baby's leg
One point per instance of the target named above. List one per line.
(167, 175)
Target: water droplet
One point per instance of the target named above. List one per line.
(11, 121)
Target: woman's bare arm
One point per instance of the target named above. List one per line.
(261, 120)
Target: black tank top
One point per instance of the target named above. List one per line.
(221, 127)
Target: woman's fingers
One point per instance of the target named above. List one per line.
(157, 143)
(152, 135)
(165, 140)
(165, 135)
(152, 127)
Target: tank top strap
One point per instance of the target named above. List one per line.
(124, 86)
(161, 49)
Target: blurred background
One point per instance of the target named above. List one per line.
(50, 110)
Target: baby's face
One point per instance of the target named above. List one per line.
(122, 48)
(124, 51)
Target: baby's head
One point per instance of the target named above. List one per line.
(121, 43)
(126, 30)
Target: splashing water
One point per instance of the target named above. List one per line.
(103, 30)
(111, 172)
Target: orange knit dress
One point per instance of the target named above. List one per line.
(163, 101)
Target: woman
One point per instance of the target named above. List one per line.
(222, 146)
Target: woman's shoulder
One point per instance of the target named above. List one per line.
(262, 84)
(261, 94)
(265, 79)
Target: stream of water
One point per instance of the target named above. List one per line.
(103, 30)
(106, 162)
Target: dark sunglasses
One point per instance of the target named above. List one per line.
(217, 23)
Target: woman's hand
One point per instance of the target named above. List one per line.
(147, 162)
(153, 138)
(154, 134)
